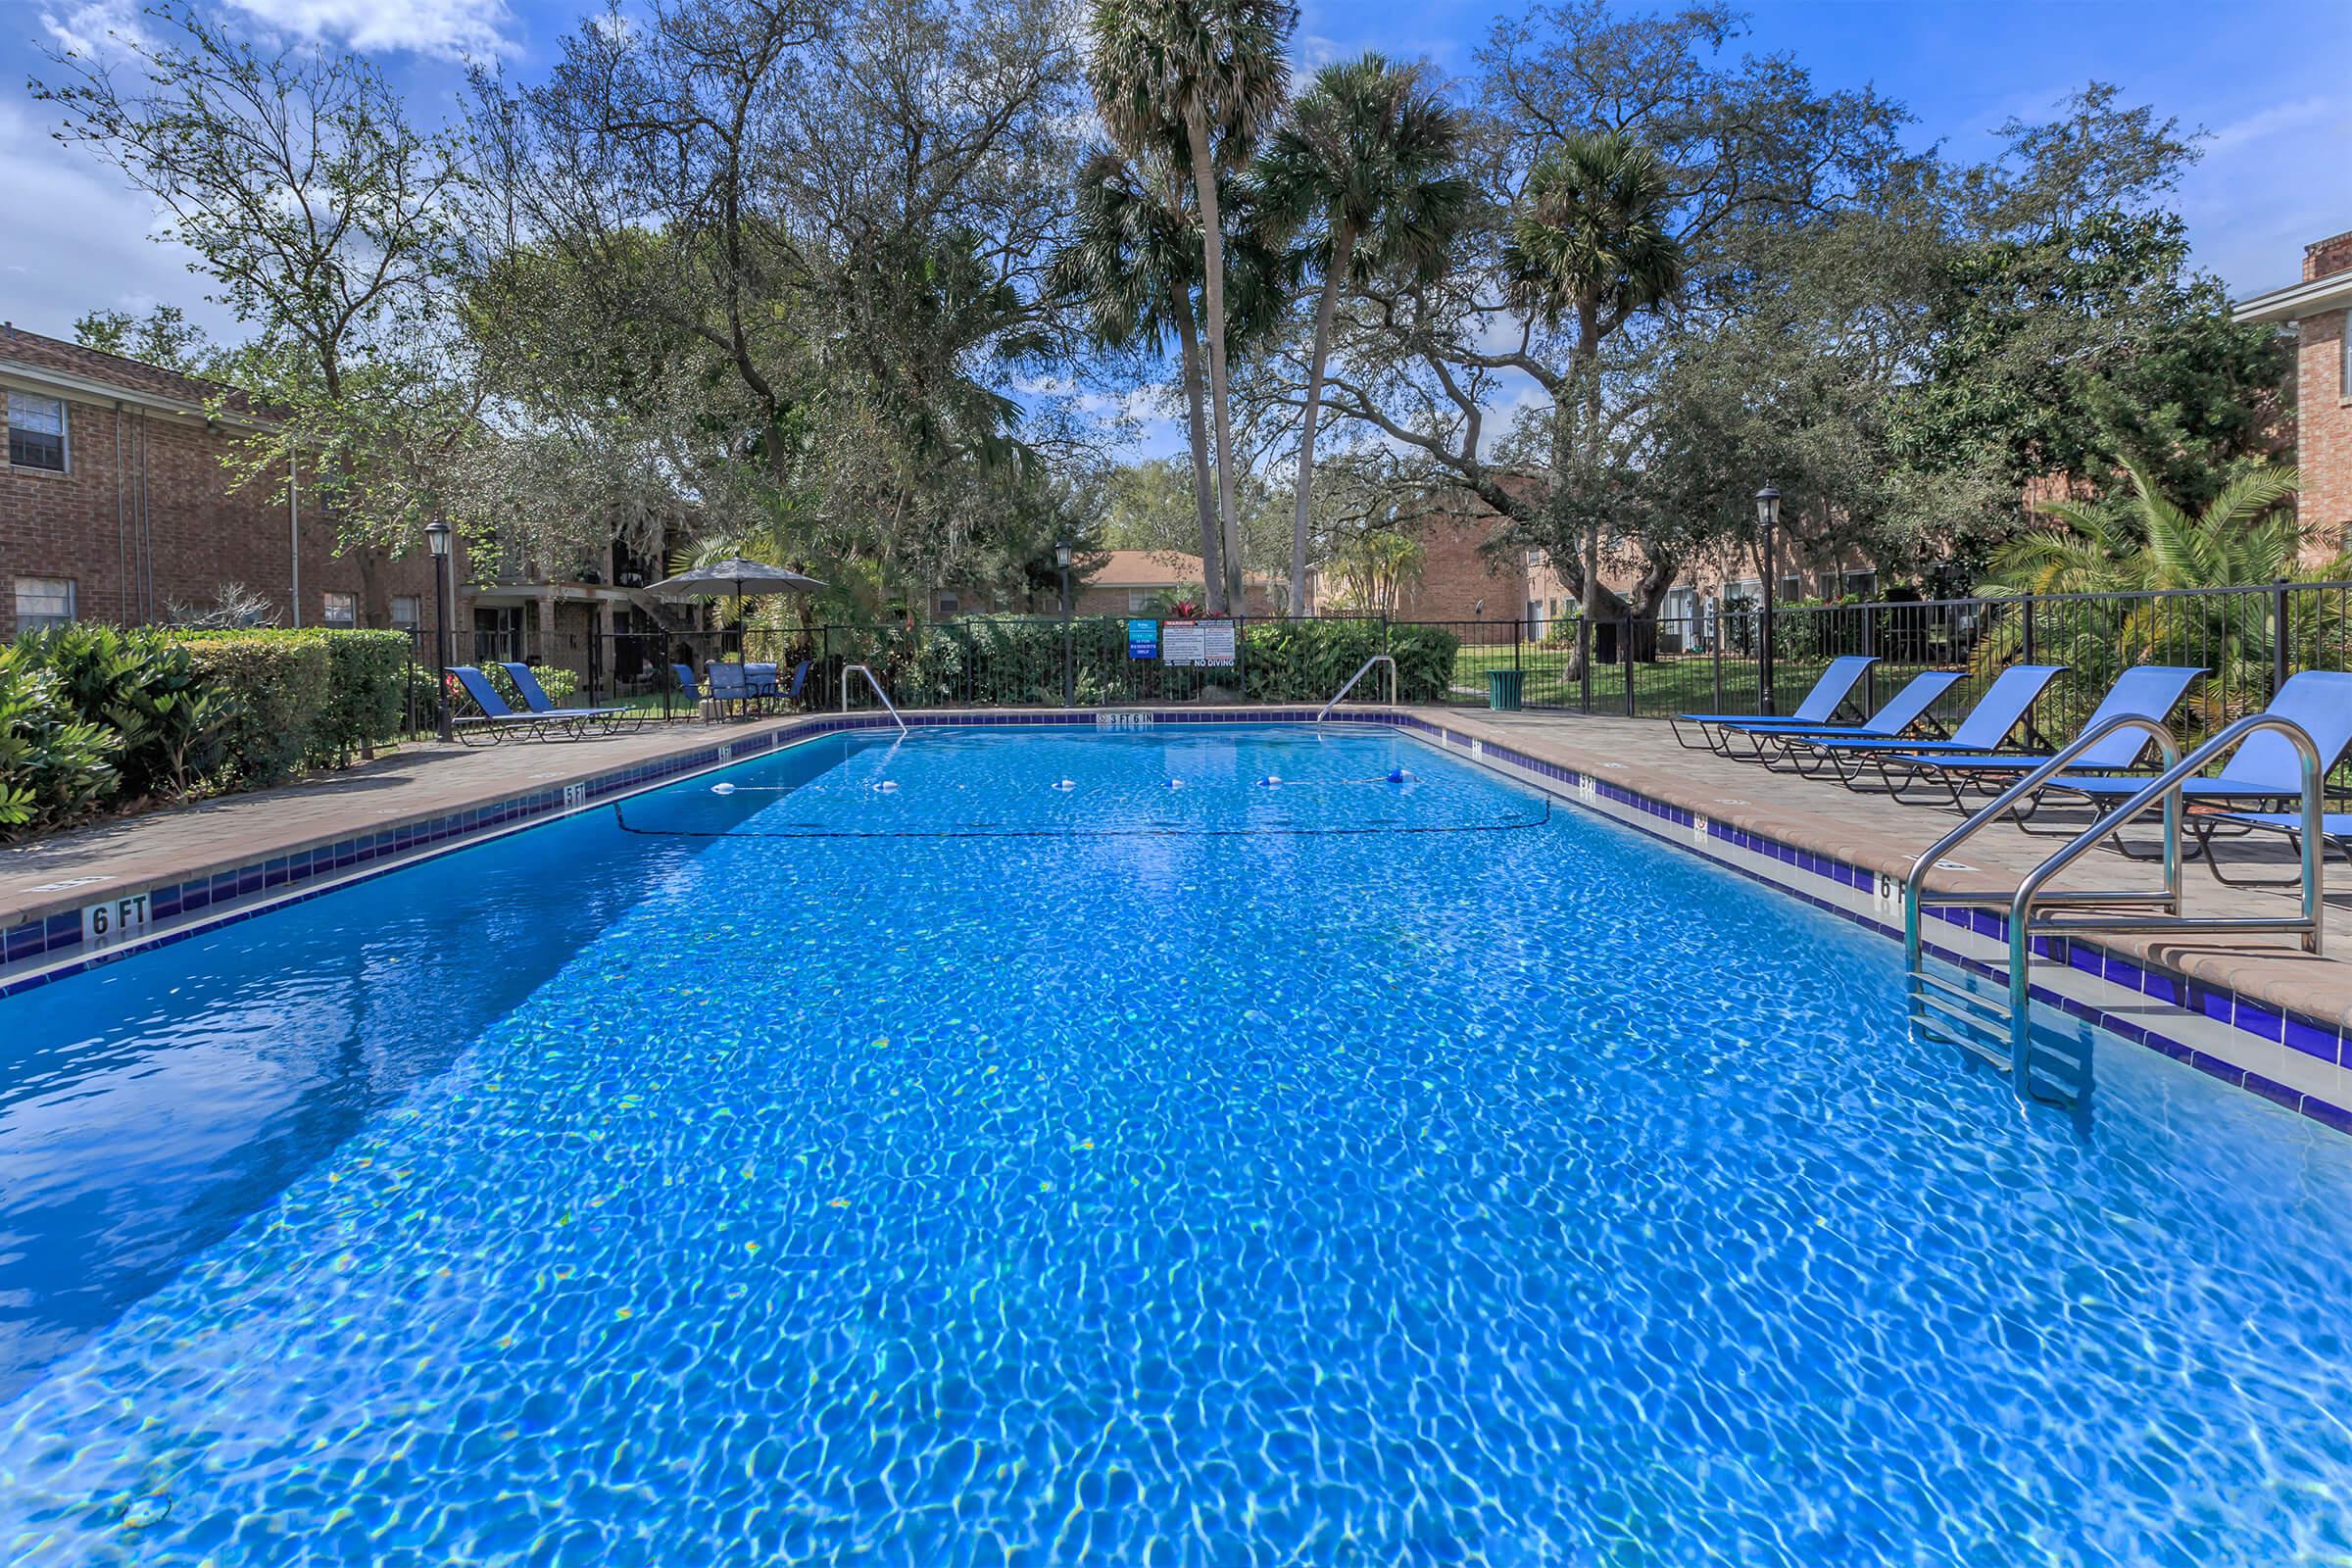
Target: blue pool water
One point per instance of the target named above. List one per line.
(1143, 1175)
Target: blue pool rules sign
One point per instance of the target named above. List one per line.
(1143, 639)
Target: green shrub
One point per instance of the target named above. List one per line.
(168, 719)
(365, 694)
(1306, 660)
(278, 687)
(54, 766)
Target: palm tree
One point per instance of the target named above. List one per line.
(1590, 243)
(1368, 155)
(2136, 547)
(1196, 80)
(1134, 259)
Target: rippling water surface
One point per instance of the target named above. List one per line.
(1162, 1169)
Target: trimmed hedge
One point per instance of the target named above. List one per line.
(1306, 660)
(278, 686)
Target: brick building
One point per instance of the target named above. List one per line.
(115, 506)
(2319, 310)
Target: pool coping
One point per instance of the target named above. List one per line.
(2303, 1064)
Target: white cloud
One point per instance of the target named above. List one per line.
(449, 29)
(84, 31)
(77, 239)
(2300, 114)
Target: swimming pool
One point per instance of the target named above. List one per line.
(1051, 1146)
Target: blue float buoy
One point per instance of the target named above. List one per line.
(1067, 784)
(1395, 776)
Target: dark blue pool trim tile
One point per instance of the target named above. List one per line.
(2315, 1038)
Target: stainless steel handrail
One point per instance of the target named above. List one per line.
(878, 692)
(2031, 784)
(1375, 658)
(2164, 790)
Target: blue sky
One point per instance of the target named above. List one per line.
(2272, 82)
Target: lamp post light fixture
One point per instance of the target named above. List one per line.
(1069, 669)
(1768, 518)
(437, 538)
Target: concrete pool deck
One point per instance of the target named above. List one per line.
(192, 867)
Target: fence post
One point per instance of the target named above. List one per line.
(2281, 660)
(1869, 650)
(1583, 645)
(1715, 649)
(2028, 612)
(1625, 658)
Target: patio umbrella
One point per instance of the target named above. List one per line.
(736, 578)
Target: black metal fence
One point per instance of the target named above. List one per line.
(1716, 659)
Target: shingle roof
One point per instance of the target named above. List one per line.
(39, 353)
(1151, 569)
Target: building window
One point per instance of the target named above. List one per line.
(1861, 585)
(1140, 600)
(44, 602)
(408, 612)
(340, 609)
(943, 605)
(36, 432)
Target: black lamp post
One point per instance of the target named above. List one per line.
(1768, 518)
(1070, 670)
(436, 535)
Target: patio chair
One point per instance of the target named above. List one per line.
(2144, 691)
(2261, 774)
(2006, 703)
(535, 697)
(1770, 739)
(1820, 707)
(498, 720)
(2335, 830)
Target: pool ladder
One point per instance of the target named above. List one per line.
(1996, 1026)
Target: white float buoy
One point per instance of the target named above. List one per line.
(1175, 783)
(722, 789)
(885, 785)
(1272, 781)
(1067, 784)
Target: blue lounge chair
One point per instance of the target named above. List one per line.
(1820, 707)
(1771, 739)
(2335, 828)
(2144, 691)
(2005, 705)
(2265, 773)
(535, 697)
(498, 720)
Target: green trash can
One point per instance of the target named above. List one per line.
(1505, 689)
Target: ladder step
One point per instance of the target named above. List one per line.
(1962, 1040)
(1992, 1005)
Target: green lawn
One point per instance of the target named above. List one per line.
(1674, 684)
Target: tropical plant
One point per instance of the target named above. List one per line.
(1366, 157)
(1195, 81)
(1370, 569)
(2138, 550)
(1590, 245)
(54, 766)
